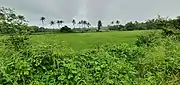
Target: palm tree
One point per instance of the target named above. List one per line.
(112, 22)
(82, 23)
(117, 22)
(43, 20)
(79, 24)
(58, 23)
(61, 22)
(99, 25)
(85, 23)
(88, 24)
(52, 23)
(74, 22)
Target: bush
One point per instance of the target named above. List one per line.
(150, 38)
(66, 29)
(160, 63)
(106, 64)
(89, 67)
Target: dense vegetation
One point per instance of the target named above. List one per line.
(154, 59)
(158, 23)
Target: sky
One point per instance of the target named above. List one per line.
(92, 10)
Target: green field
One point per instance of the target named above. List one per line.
(80, 41)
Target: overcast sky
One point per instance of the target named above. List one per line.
(93, 10)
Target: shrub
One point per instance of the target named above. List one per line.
(99, 66)
(150, 39)
(15, 27)
(107, 64)
(66, 29)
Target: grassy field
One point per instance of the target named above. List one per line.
(80, 41)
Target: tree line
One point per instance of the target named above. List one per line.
(83, 26)
(169, 25)
(81, 23)
(157, 23)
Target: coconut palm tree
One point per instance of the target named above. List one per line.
(58, 23)
(85, 23)
(112, 22)
(61, 22)
(42, 20)
(99, 25)
(82, 23)
(74, 22)
(88, 24)
(79, 24)
(117, 22)
(52, 23)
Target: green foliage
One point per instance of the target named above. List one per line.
(154, 60)
(170, 26)
(107, 64)
(89, 67)
(34, 29)
(66, 29)
(116, 27)
(151, 38)
(129, 26)
(14, 27)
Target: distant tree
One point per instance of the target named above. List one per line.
(61, 22)
(79, 24)
(130, 26)
(121, 27)
(112, 23)
(137, 25)
(85, 23)
(99, 25)
(42, 20)
(74, 22)
(117, 22)
(33, 29)
(52, 23)
(82, 23)
(41, 29)
(88, 24)
(58, 23)
(136, 22)
(66, 29)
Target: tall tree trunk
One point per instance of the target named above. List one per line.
(43, 23)
(58, 26)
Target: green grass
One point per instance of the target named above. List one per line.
(80, 41)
